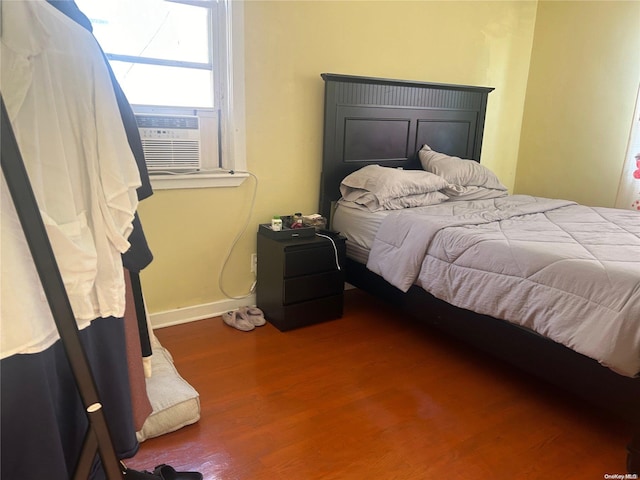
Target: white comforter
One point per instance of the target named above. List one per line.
(566, 271)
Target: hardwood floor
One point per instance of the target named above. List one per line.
(372, 396)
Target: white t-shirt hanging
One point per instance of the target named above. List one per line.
(64, 113)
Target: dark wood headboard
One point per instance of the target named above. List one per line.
(383, 121)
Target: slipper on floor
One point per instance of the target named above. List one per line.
(255, 315)
(237, 319)
(167, 472)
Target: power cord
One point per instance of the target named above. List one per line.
(252, 289)
(193, 172)
(335, 249)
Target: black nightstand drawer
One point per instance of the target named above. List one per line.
(306, 260)
(298, 281)
(309, 287)
(301, 314)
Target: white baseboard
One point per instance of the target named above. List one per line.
(197, 312)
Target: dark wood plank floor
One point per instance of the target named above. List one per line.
(373, 395)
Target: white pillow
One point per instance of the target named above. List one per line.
(384, 188)
(175, 402)
(458, 171)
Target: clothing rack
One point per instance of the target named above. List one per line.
(97, 440)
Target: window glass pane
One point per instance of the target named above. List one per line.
(159, 85)
(150, 28)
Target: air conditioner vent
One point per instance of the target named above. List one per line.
(170, 142)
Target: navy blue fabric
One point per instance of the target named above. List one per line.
(42, 419)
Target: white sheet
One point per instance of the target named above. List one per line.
(566, 271)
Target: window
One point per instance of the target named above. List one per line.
(629, 189)
(179, 58)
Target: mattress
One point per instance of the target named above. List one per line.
(358, 226)
(568, 272)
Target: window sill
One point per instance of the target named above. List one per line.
(197, 180)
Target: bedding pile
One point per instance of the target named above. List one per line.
(567, 271)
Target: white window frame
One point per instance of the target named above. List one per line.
(227, 166)
(229, 62)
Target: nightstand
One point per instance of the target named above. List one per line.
(299, 282)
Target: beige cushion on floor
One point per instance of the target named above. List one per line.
(175, 403)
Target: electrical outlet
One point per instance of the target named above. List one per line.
(254, 262)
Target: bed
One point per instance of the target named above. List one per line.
(378, 126)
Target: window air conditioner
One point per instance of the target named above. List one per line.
(170, 142)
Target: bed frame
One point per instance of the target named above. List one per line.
(385, 122)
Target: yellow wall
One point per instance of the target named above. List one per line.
(578, 75)
(583, 81)
(287, 46)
